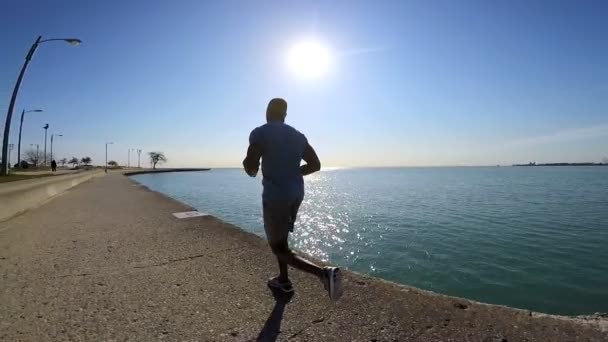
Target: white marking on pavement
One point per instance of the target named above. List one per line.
(188, 214)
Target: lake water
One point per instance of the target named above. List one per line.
(530, 237)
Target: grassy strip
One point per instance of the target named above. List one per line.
(14, 178)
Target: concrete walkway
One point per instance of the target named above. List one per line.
(107, 261)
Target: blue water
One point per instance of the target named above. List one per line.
(531, 237)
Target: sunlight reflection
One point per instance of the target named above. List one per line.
(324, 225)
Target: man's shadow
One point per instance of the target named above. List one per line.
(272, 328)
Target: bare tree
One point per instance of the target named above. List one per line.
(73, 161)
(86, 160)
(32, 157)
(157, 157)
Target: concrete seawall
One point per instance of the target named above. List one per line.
(146, 171)
(108, 261)
(16, 197)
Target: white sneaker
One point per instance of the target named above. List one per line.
(332, 281)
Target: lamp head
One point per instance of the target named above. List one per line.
(73, 41)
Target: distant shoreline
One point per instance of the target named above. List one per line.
(141, 172)
(563, 164)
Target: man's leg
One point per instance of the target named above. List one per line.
(278, 222)
(283, 272)
(279, 218)
(276, 237)
(287, 257)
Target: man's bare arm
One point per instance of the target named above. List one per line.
(313, 164)
(252, 160)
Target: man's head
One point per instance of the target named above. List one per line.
(276, 110)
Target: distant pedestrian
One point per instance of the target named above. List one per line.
(53, 166)
(282, 148)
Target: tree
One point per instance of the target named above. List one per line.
(86, 160)
(73, 161)
(32, 157)
(157, 157)
(605, 160)
(113, 163)
(63, 161)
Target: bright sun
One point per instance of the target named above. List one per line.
(309, 59)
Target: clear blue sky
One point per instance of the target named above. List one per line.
(410, 82)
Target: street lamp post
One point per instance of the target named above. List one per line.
(52, 135)
(108, 143)
(129, 157)
(21, 129)
(138, 158)
(46, 128)
(10, 149)
(37, 149)
(11, 106)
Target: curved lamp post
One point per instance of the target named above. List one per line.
(9, 114)
(129, 157)
(54, 135)
(10, 149)
(21, 129)
(46, 129)
(108, 143)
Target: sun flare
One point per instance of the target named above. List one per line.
(309, 59)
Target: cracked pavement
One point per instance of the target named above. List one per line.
(107, 261)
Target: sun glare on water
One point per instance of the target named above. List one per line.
(309, 59)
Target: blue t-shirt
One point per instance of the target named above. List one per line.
(282, 151)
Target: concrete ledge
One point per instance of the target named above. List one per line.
(141, 172)
(17, 197)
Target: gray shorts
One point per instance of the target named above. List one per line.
(279, 218)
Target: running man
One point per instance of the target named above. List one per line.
(282, 149)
